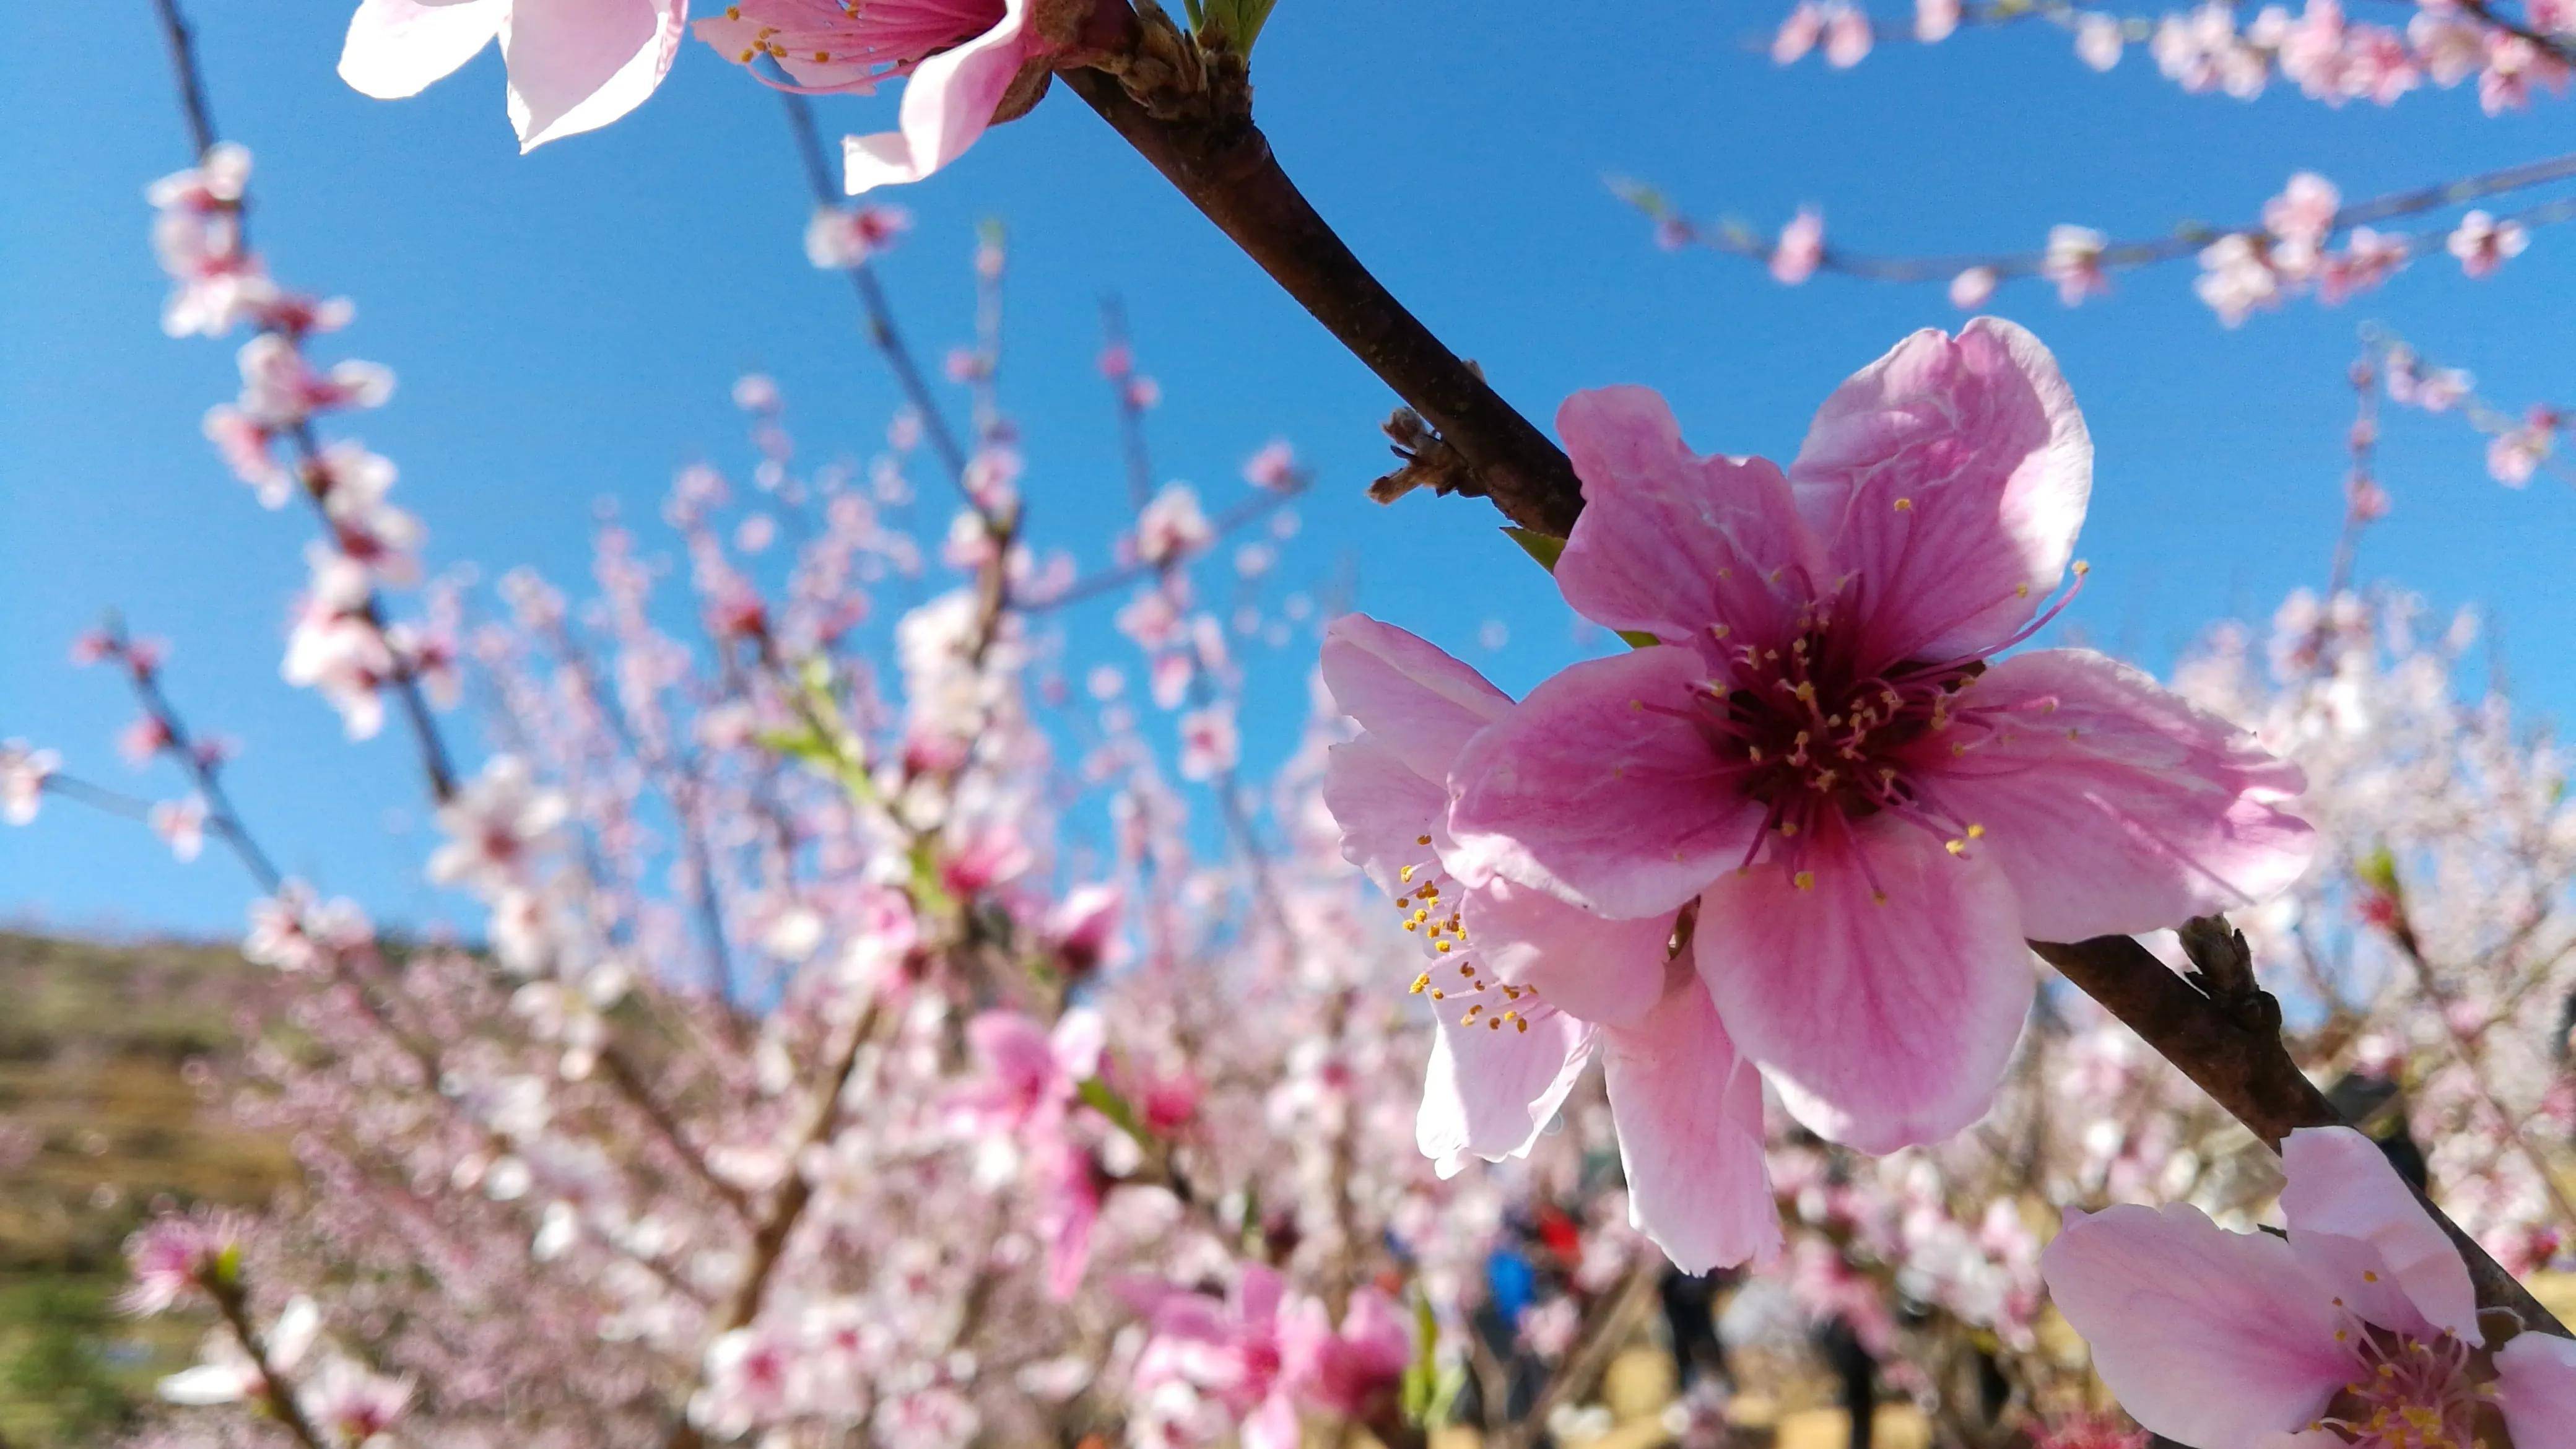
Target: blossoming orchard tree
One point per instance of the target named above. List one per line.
(1957, 1004)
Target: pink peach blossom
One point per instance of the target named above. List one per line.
(1523, 987)
(2359, 1327)
(965, 63)
(24, 770)
(1800, 247)
(574, 65)
(1871, 811)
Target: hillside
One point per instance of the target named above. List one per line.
(97, 1121)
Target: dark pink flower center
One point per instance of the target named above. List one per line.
(2407, 1393)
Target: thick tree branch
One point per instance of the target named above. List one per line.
(1220, 160)
(2224, 1034)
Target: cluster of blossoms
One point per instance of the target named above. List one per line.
(2303, 243)
(2518, 446)
(859, 1039)
(342, 645)
(2217, 46)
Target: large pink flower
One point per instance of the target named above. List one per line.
(1870, 813)
(575, 65)
(2359, 1328)
(969, 63)
(1523, 986)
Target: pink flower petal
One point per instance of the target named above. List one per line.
(2536, 1389)
(1670, 543)
(2204, 1336)
(1384, 809)
(576, 65)
(1405, 690)
(1490, 1093)
(2113, 805)
(396, 48)
(1689, 1114)
(1587, 791)
(1886, 1022)
(1951, 475)
(948, 102)
(2341, 1186)
(1601, 970)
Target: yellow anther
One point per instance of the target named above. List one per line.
(1976, 831)
(1878, 898)
(1405, 876)
(1804, 880)
(1466, 968)
(2021, 591)
(2082, 568)
(1422, 840)
(1955, 847)
(1720, 631)
(1905, 505)
(1521, 1025)
(1422, 983)
(1444, 948)
(1788, 827)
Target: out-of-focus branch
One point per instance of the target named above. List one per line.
(876, 314)
(2224, 1033)
(2185, 240)
(1223, 526)
(274, 1390)
(1605, 1331)
(2400, 930)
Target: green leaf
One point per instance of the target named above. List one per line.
(799, 744)
(1100, 1097)
(1547, 548)
(1235, 23)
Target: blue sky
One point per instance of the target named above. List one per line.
(566, 327)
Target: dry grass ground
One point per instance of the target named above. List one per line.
(97, 1122)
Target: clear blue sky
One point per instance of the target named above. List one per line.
(566, 327)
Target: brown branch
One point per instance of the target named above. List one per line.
(273, 1387)
(795, 1193)
(2223, 1032)
(1220, 161)
(1604, 1333)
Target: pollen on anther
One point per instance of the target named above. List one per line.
(1444, 948)
(1804, 880)
(1422, 983)
(1976, 831)
(2021, 591)
(1422, 840)
(1405, 876)
(1955, 847)
(1905, 505)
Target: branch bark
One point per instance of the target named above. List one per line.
(1221, 162)
(2227, 1040)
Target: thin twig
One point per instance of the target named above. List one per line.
(876, 315)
